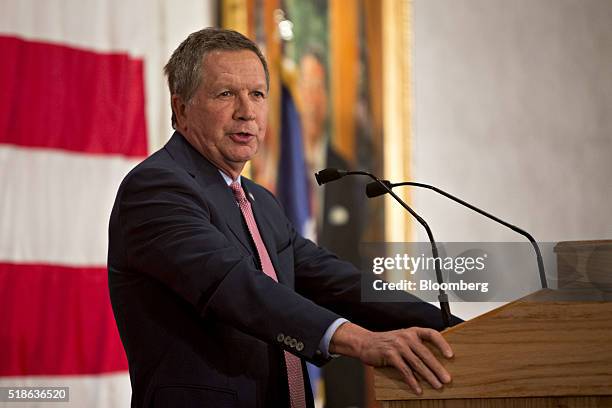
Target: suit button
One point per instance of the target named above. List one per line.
(287, 340)
(293, 343)
(300, 346)
(280, 337)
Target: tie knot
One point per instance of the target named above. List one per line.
(238, 192)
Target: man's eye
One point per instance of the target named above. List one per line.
(259, 94)
(225, 93)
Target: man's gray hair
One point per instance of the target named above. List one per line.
(184, 68)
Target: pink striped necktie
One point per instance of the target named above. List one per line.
(294, 365)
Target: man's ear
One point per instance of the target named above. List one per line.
(179, 108)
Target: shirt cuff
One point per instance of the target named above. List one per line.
(326, 339)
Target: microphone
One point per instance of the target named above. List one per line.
(330, 174)
(381, 187)
(326, 175)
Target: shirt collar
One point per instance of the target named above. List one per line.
(228, 179)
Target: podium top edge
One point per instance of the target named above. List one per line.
(564, 246)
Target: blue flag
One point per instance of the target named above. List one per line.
(292, 187)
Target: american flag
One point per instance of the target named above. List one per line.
(81, 102)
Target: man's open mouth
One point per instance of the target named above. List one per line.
(241, 137)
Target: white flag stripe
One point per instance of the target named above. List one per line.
(92, 391)
(110, 25)
(56, 205)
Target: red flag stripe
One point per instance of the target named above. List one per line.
(57, 320)
(60, 97)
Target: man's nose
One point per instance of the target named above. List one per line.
(244, 108)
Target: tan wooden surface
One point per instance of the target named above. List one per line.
(544, 402)
(527, 348)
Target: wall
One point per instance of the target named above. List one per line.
(174, 22)
(513, 112)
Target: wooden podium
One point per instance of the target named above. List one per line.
(549, 349)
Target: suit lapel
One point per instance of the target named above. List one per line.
(225, 198)
(264, 224)
(212, 184)
(216, 190)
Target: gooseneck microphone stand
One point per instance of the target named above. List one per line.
(328, 175)
(375, 189)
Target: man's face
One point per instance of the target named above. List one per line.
(313, 98)
(226, 118)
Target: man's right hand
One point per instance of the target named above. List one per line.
(403, 349)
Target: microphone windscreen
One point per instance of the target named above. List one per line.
(374, 189)
(329, 174)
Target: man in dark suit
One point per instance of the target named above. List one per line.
(217, 299)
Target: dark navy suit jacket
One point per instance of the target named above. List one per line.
(202, 326)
